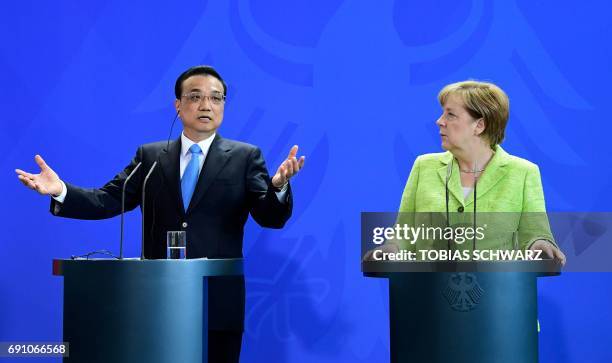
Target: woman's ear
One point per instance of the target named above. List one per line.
(480, 126)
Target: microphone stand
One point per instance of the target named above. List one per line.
(144, 186)
(123, 207)
(449, 171)
(475, 183)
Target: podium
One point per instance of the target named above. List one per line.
(133, 310)
(463, 311)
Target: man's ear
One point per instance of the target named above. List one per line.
(177, 106)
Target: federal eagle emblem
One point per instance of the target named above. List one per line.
(463, 292)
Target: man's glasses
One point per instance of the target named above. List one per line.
(197, 97)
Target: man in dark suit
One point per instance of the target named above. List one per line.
(203, 184)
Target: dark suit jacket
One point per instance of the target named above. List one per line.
(233, 182)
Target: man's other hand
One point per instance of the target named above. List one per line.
(288, 168)
(46, 182)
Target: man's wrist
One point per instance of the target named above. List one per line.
(281, 188)
(62, 195)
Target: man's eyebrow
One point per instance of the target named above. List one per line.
(199, 90)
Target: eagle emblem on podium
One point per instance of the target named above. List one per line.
(463, 292)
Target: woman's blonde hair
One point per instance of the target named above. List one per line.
(482, 100)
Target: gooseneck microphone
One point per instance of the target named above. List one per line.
(123, 206)
(475, 183)
(144, 189)
(449, 172)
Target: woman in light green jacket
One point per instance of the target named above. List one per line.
(472, 125)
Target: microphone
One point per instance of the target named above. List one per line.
(144, 186)
(171, 127)
(475, 183)
(123, 207)
(449, 172)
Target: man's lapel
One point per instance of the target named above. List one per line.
(217, 157)
(169, 161)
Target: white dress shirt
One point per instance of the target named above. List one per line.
(186, 155)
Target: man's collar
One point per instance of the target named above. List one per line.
(186, 143)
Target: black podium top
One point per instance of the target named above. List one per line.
(198, 266)
(386, 268)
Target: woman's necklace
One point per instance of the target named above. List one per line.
(471, 171)
(476, 171)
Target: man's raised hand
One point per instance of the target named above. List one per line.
(46, 182)
(288, 168)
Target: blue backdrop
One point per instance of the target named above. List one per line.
(354, 83)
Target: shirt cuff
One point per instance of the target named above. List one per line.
(62, 196)
(282, 193)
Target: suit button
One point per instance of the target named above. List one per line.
(460, 209)
(184, 225)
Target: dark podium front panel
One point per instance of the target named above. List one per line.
(462, 316)
(152, 311)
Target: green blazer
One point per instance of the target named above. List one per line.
(510, 201)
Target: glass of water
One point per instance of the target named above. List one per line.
(177, 245)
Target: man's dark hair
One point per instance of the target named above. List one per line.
(197, 71)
